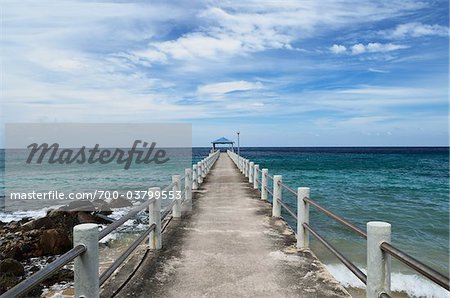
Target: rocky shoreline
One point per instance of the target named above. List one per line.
(29, 244)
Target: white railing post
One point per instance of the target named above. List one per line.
(194, 177)
(303, 217)
(250, 172)
(188, 185)
(264, 184)
(378, 262)
(154, 217)
(176, 188)
(276, 206)
(255, 176)
(199, 176)
(86, 277)
(245, 168)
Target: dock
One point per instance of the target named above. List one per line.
(230, 246)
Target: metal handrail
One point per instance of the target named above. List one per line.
(270, 177)
(116, 264)
(123, 219)
(26, 285)
(167, 210)
(288, 209)
(353, 268)
(337, 218)
(269, 191)
(287, 188)
(169, 186)
(418, 266)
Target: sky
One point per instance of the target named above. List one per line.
(283, 73)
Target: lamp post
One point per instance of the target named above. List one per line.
(239, 147)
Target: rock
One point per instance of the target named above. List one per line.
(56, 212)
(85, 217)
(64, 219)
(55, 242)
(12, 267)
(61, 275)
(7, 282)
(120, 203)
(40, 223)
(102, 207)
(12, 250)
(80, 206)
(13, 225)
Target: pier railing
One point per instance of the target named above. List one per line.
(377, 234)
(85, 253)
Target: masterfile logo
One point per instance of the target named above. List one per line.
(52, 154)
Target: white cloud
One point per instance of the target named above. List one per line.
(358, 49)
(201, 45)
(243, 28)
(338, 49)
(377, 70)
(227, 87)
(372, 47)
(416, 29)
(376, 47)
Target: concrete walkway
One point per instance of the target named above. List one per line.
(229, 246)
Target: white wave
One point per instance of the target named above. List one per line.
(109, 237)
(18, 215)
(413, 285)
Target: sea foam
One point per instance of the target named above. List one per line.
(413, 285)
(18, 215)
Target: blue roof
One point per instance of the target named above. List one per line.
(222, 140)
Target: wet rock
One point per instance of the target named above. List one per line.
(84, 217)
(55, 241)
(61, 275)
(12, 250)
(13, 225)
(7, 282)
(40, 223)
(102, 207)
(11, 267)
(56, 212)
(120, 203)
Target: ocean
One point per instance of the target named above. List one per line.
(407, 187)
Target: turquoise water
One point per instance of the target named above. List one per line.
(110, 179)
(407, 187)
